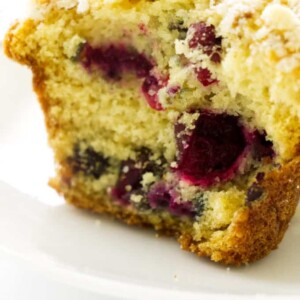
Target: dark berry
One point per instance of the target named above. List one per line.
(114, 60)
(254, 192)
(215, 57)
(199, 204)
(89, 162)
(212, 151)
(262, 148)
(173, 90)
(178, 26)
(142, 205)
(182, 137)
(204, 37)
(150, 88)
(260, 176)
(131, 174)
(159, 196)
(182, 209)
(205, 77)
(129, 181)
(154, 166)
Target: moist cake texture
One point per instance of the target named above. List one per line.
(178, 114)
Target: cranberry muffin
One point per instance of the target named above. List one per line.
(182, 115)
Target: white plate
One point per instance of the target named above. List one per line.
(94, 253)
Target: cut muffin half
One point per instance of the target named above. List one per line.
(182, 115)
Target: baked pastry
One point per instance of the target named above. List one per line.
(182, 115)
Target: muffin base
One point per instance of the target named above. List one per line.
(254, 232)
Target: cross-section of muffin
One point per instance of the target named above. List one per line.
(182, 115)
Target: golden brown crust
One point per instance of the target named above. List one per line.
(38, 80)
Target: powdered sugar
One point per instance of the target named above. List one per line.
(280, 17)
(83, 6)
(66, 4)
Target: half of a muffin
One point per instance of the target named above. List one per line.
(182, 115)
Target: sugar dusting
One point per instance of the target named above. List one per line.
(83, 6)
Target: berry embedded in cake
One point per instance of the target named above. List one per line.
(173, 114)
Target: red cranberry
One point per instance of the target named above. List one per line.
(205, 77)
(114, 60)
(215, 57)
(162, 197)
(213, 151)
(173, 90)
(131, 174)
(150, 88)
(204, 37)
(159, 196)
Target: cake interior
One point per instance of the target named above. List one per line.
(155, 109)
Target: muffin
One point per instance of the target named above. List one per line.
(175, 114)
